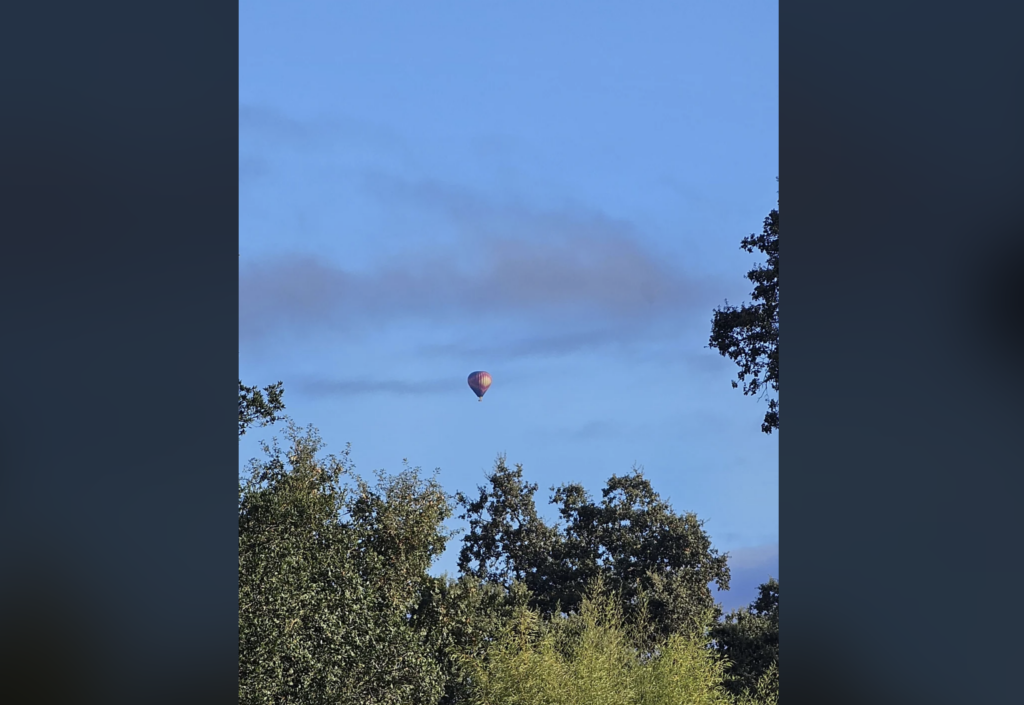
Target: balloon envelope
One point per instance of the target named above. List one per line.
(480, 382)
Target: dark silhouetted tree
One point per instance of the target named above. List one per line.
(749, 638)
(259, 407)
(632, 540)
(749, 335)
(507, 541)
(639, 546)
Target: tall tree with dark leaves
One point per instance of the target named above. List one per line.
(258, 407)
(507, 541)
(640, 547)
(749, 335)
(631, 539)
(749, 639)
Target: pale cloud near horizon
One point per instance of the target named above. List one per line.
(750, 567)
(753, 556)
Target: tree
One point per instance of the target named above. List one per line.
(330, 569)
(749, 639)
(461, 618)
(592, 657)
(641, 548)
(256, 409)
(632, 540)
(749, 335)
(507, 541)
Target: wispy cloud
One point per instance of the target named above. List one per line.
(539, 345)
(255, 120)
(754, 556)
(276, 128)
(553, 280)
(251, 168)
(353, 387)
(750, 567)
(479, 216)
(269, 139)
(596, 430)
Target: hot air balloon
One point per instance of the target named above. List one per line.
(480, 382)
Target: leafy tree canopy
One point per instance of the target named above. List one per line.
(631, 539)
(592, 656)
(611, 604)
(749, 639)
(258, 407)
(330, 570)
(749, 335)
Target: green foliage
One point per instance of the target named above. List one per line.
(330, 570)
(634, 541)
(592, 658)
(613, 605)
(766, 691)
(461, 618)
(507, 541)
(256, 409)
(749, 335)
(749, 639)
(631, 539)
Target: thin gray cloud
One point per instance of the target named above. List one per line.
(251, 168)
(754, 556)
(478, 216)
(750, 567)
(543, 345)
(569, 279)
(276, 128)
(254, 120)
(564, 285)
(267, 136)
(354, 387)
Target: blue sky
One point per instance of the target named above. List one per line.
(552, 192)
